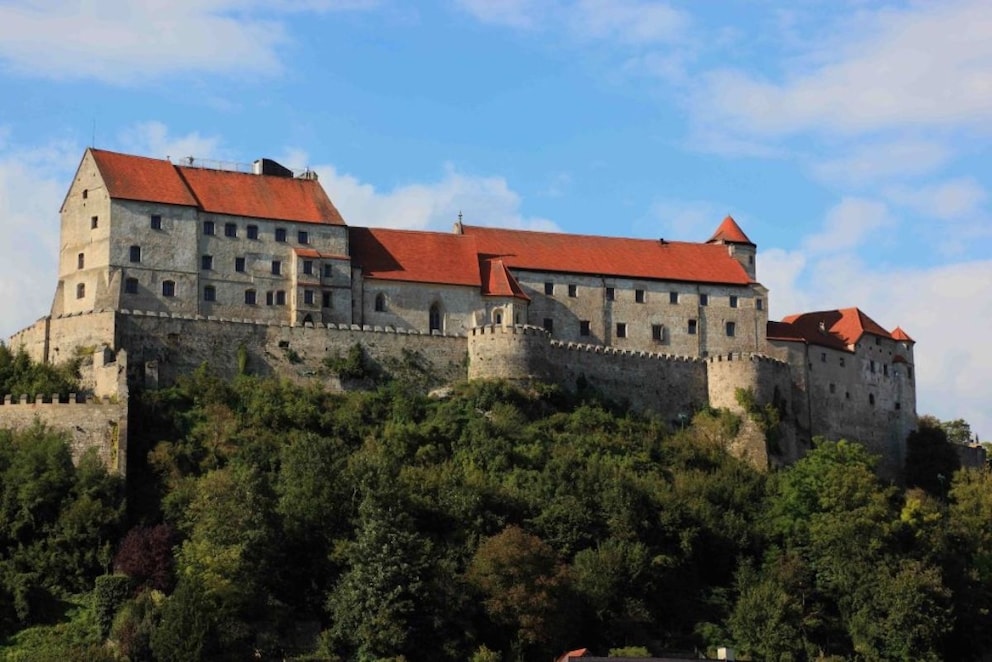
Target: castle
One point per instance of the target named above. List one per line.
(164, 266)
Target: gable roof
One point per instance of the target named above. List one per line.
(498, 281)
(730, 232)
(839, 329)
(608, 256)
(129, 177)
(415, 256)
(900, 335)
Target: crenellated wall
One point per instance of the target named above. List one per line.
(90, 423)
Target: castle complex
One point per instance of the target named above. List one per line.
(163, 267)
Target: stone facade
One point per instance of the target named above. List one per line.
(165, 267)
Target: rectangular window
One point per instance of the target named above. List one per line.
(303, 237)
(731, 329)
(842, 362)
(252, 231)
(909, 372)
(81, 291)
(733, 301)
(584, 327)
(80, 260)
(328, 271)
(276, 267)
(94, 222)
(168, 288)
(308, 267)
(269, 298)
(611, 294)
(239, 264)
(872, 366)
(549, 324)
(704, 299)
(823, 357)
(573, 290)
(250, 297)
(209, 293)
(230, 230)
(134, 254)
(280, 298)
(833, 388)
(885, 369)
(673, 297)
(156, 222)
(657, 332)
(325, 299)
(207, 262)
(131, 286)
(549, 289)
(759, 304)
(308, 297)
(692, 327)
(208, 227)
(639, 296)
(621, 329)
(898, 406)
(280, 234)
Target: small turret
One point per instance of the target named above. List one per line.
(738, 245)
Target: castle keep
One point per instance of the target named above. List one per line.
(164, 266)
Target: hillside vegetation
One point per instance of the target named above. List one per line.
(273, 521)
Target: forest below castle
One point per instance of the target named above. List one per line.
(264, 520)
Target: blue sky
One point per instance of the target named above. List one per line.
(849, 139)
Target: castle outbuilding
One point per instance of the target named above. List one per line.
(179, 263)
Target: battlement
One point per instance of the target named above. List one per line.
(744, 356)
(366, 328)
(55, 399)
(514, 329)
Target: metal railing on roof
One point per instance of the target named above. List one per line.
(231, 166)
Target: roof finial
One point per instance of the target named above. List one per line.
(459, 215)
(458, 224)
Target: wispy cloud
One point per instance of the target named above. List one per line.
(485, 200)
(123, 42)
(867, 163)
(927, 65)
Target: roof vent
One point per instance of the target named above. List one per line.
(271, 168)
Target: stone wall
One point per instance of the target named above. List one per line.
(99, 424)
(162, 347)
(660, 384)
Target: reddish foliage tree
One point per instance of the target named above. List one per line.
(145, 555)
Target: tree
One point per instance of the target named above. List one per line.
(930, 460)
(523, 584)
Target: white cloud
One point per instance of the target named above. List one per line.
(432, 206)
(153, 139)
(927, 65)
(32, 185)
(955, 199)
(121, 42)
(868, 163)
(683, 220)
(630, 22)
(849, 223)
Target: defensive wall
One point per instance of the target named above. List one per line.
(669, 386)
(90, 423)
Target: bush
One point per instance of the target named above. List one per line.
(109, 593)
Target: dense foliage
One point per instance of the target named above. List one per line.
(278, 521)
(19, 375)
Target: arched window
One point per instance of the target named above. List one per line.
(435, 317)
(80, 290)
(497, 317)
(380, 302)
(168, 288)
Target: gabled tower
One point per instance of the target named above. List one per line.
(738, 245)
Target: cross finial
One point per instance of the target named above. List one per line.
(459, 215)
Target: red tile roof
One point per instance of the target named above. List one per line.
(572, 655)
(415, 256)
(498, 281)
(730, 232)
(129, 177)
(609, 256)
(840, 329)
(901, 336)
(261, 196)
